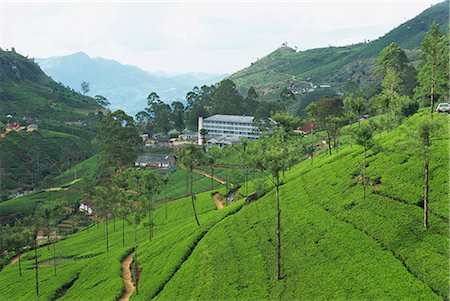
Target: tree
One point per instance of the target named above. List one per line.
(394, 57)
(211, 156)
(105, 199)
(192, 115)
(148, 185)
(50, 215)
(159, 113)
(425, 132)
(251, 101)
(327, 112)
(433, 68)
(190, 157)
(203, 133)
(226, 99)
(270, 157)
(364, 137)
(286, 124)
(85, 87)
(123, 181)
(119, 140)
(178, 115)
(354, 107)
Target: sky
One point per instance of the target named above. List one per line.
(194, 36)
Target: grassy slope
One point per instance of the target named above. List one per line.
(23, 206)
(335, 245)
(28, 94)
(334, 65)
(27, 91)
(99, 272)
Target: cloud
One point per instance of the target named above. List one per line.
(182, 36)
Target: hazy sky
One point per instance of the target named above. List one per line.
(187, 36)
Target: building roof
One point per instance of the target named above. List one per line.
(229, 140)
(149, 159)
(230, 118)
(308, 127)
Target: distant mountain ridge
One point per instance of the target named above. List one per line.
(126, 86)
(334, 66)
(26, 91)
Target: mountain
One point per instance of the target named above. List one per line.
(334, 66)
(126, 86)
(65, 122)
(25, 91)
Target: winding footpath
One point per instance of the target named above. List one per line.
(206, 174)
(126, 276)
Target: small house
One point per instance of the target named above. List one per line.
(307, 128)
(86, 207)
(156, 161)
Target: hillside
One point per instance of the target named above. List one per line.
(126, 86)
(25, 91)
(335, 66)
(335, 244)
(28, 96)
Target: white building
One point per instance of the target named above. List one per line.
(228, 127)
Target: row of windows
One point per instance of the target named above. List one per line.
(228, 123)
(228, 127)
(229, 131)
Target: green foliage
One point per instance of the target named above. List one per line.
(119, 140)
(286, 67)
(433, 68)
(329, 235)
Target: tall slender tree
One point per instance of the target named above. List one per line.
(190, 157)
(364, 137)
(433, 74)
(270, 157)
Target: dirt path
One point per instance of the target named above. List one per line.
(62, 188)
(126, 276)
(14, 260)
(218, 200)
(206, 174)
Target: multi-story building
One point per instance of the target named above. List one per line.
(228, 127)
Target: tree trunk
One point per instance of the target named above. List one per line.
(212, 178)
(187, 182)
(114, 223)
(151, 223)
(364, 174)
(106, 235)
(193, 203)
(278, 232)
(36, 267)
(54, 255)
(329, 143)
(246, 180)
(165, 208)
(123, 230)
(432, 90)
(20, 267)
(425, 198)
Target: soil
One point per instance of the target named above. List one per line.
(126, 276)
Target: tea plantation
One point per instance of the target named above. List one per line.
(336, 244)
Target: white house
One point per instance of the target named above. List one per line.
(86, 206)
(228, 128)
